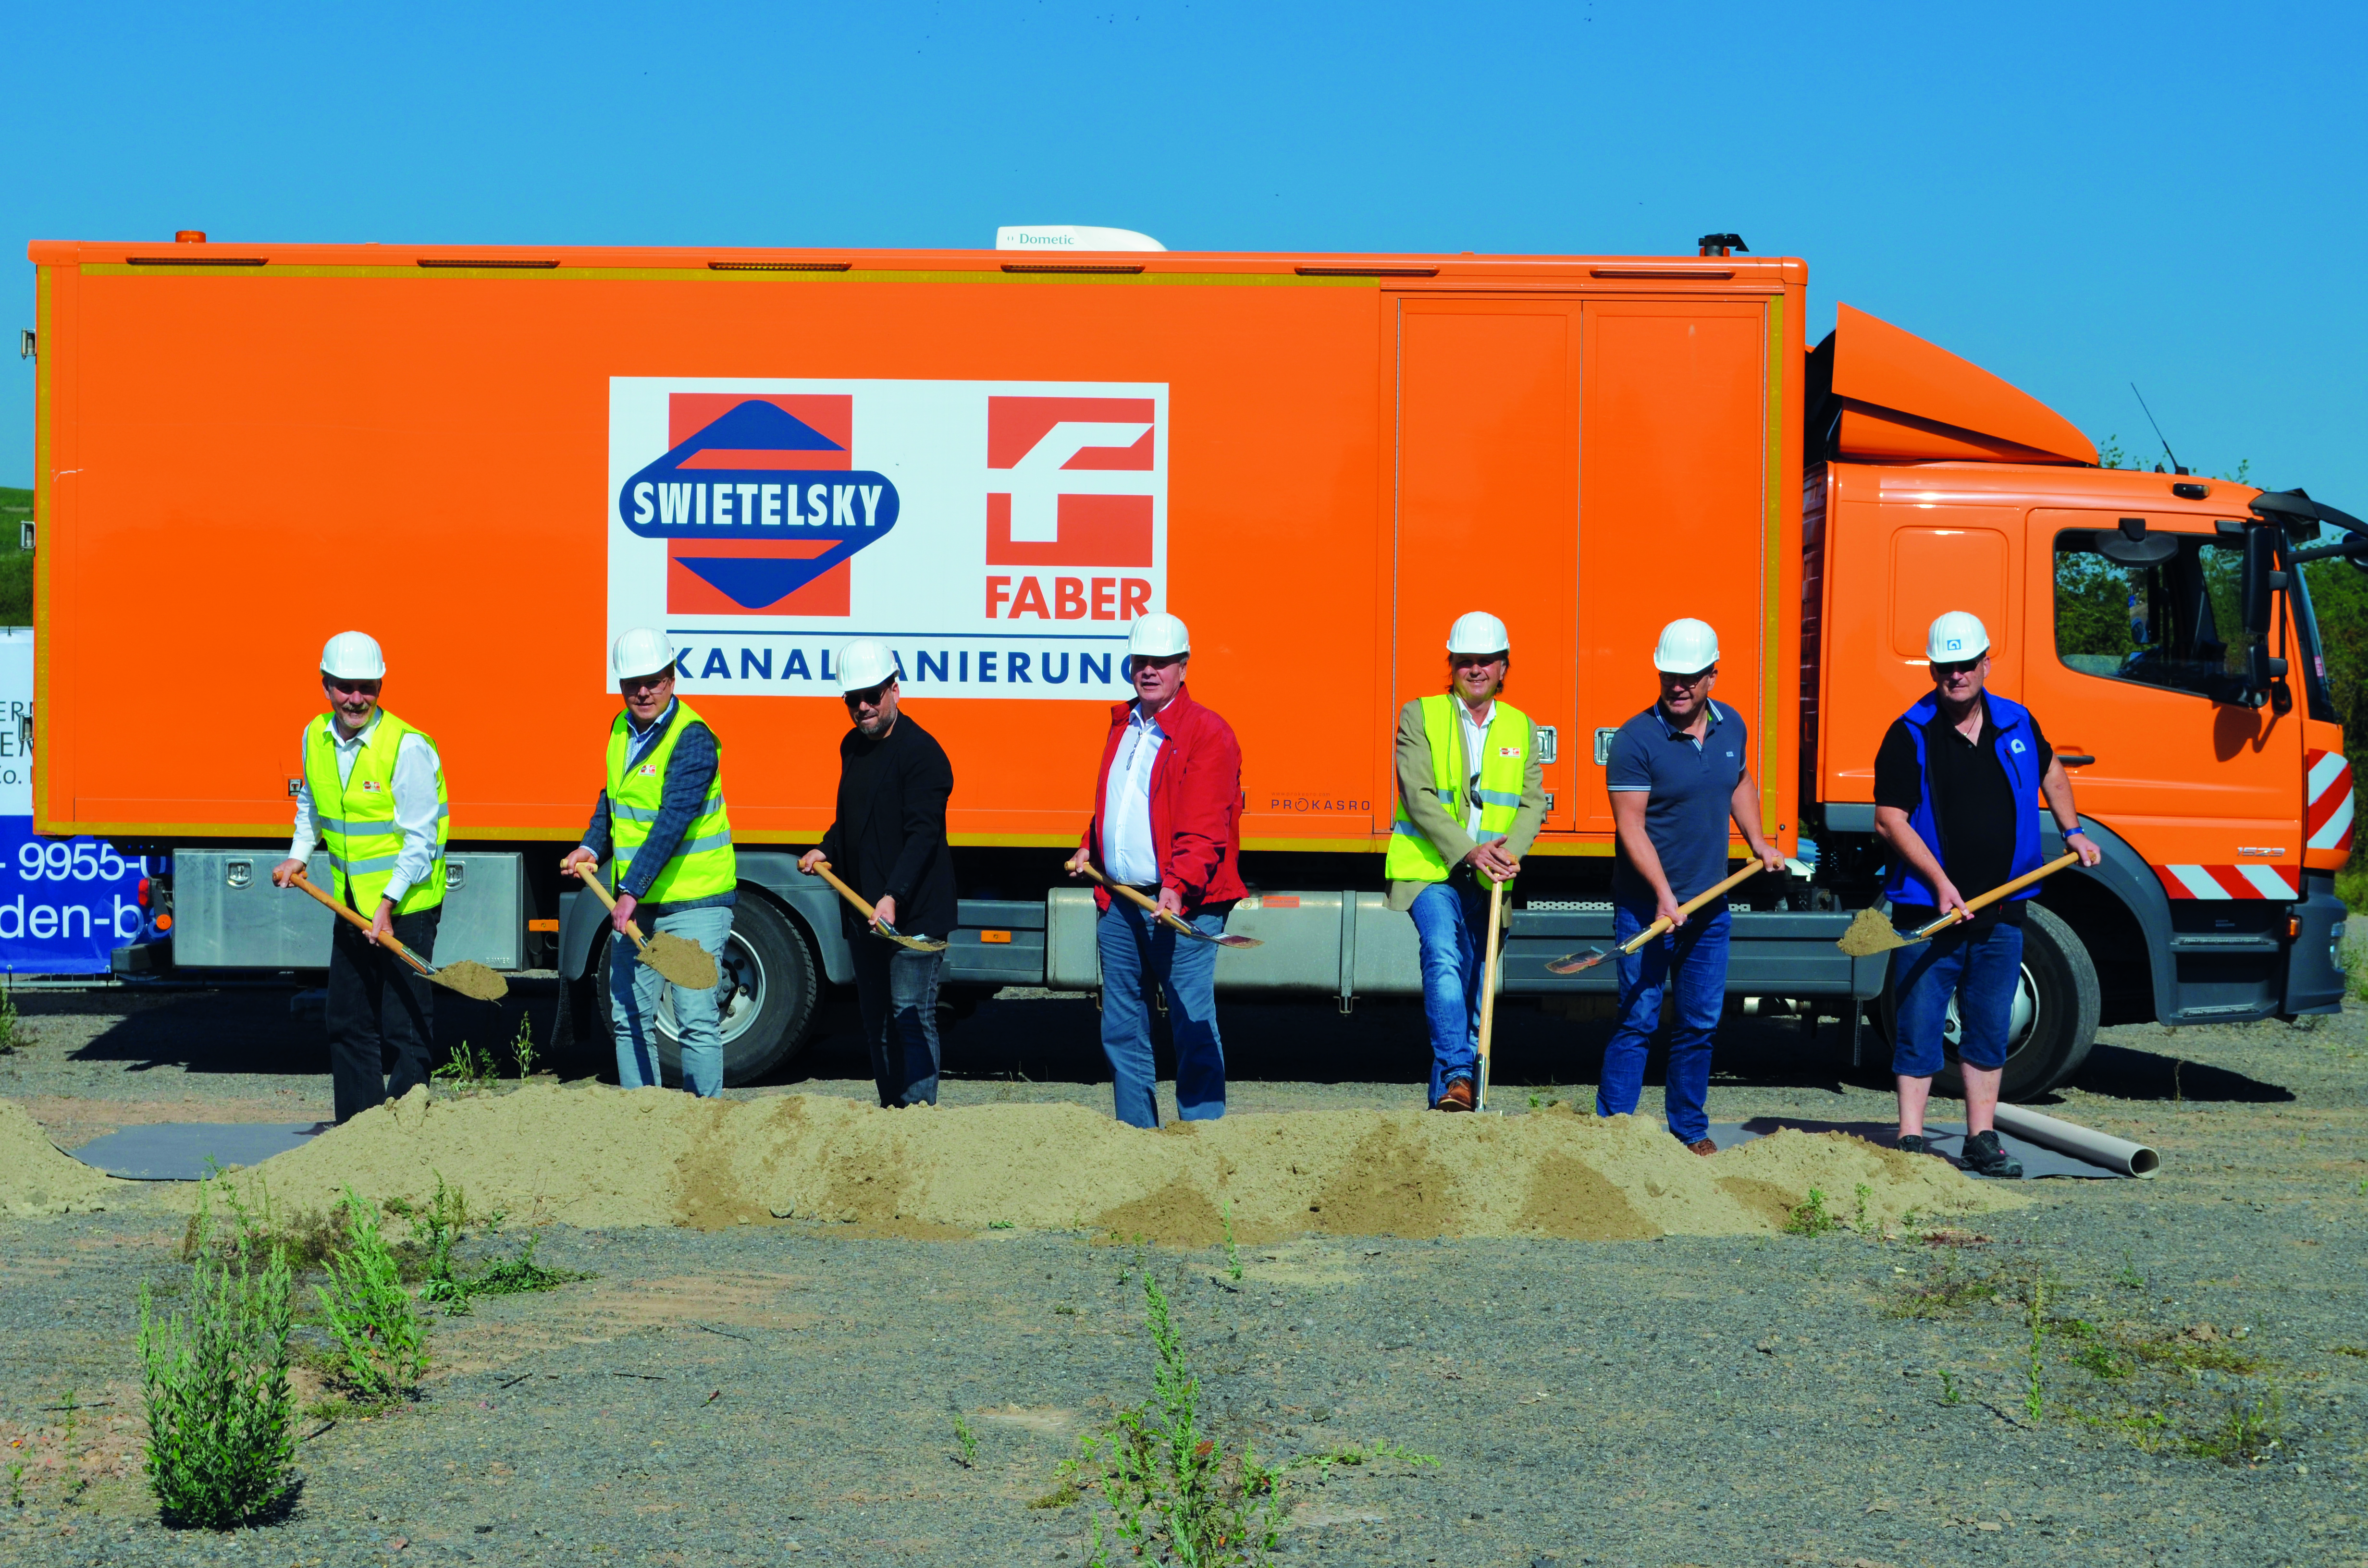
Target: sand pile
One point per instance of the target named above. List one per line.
(36, 1179)
(597, 1156)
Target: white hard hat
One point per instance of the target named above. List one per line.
(1687, 647)
(353, 655)
(1478, 633)
(864, 663)
(643, 651)
(1158, 635)
(1958, 634)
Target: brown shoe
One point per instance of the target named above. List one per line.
(1702, 1146)
(1457, 1097)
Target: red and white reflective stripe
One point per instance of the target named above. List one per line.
(2329, 819)
(2227, 881)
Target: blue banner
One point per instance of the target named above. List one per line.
(66, 904)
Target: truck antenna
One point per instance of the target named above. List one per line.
(2157, 430)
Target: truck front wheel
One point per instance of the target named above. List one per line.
(2055, 1011)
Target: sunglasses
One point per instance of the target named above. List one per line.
(1958, 667)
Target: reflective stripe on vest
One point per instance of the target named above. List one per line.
(703, 864)
(1504, 767)
(2010, 733)
(355, 815)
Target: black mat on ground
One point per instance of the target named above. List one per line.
(1948, 1141)
(179, 1151)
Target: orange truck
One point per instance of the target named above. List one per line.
(496, 458)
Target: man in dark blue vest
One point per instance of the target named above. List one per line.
(1957, 784)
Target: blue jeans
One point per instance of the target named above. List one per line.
(1137, 954)
(1451, 921)
(633, 1006)
(896, 991)
(1694, 960)
(1981, 972)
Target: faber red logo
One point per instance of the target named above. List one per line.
(1071, 482)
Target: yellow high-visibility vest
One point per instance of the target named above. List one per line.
(1504, 766)
(703, 864)
(355, 815)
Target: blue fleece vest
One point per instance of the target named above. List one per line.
(2010, 733)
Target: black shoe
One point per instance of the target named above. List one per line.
(1984, 1156)
(1914, 1144)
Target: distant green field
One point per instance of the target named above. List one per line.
(16, 565)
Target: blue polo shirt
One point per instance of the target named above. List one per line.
(1686, 784)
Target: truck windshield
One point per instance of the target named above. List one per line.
(2177, 623)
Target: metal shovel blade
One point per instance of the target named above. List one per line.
(681, 961)
(1871, 933)
(1571, 963)
(918, 944)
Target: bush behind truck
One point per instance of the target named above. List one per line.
(496, 458)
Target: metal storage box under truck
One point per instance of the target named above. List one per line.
(496, 458)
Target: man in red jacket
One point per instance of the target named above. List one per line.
(1168, 808)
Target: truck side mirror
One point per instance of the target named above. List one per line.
(2131, 545)
(2263, 579)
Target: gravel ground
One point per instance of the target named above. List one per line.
(789, 1392)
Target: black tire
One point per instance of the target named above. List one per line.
(768, 995)
(2057, 1013)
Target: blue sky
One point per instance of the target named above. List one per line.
(2076, 197)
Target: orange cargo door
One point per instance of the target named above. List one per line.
(1676, 521)
(1487, 482)
(2139, 668)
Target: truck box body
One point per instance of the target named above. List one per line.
(496, 459)
(1328, 466)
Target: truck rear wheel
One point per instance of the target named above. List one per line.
(2055, 1011)
(768, 997)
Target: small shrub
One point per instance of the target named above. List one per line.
(522, 1053)
(1810, 1219)
(1945, 1294)
(518, 1276)
(371, 1315)
(968, 1440)
(1233, 1253)
(221, 1422)
(2246, 1433)
(11, 1026)
(468, 1069)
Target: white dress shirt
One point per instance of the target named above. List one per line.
(1126, 806)
(1476, 740)
(416, 809)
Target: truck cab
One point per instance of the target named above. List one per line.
(2158, 627)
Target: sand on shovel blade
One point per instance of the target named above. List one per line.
(681, 961)
(1870, 933)
(472, 978)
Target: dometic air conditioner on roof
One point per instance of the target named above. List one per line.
(1070, 236)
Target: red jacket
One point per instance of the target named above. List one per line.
(1196, 804)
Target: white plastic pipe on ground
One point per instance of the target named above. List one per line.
(2081, 1143)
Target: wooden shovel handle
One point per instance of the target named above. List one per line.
(589, 871)
(822, 869)
(300, 880)
(1984, 900)
(1126, 892)
(1658, 926)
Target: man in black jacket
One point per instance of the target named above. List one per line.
(888, 843)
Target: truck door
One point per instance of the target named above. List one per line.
(2137, 673)
(1487, 514)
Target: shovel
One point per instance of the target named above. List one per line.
(675, 959)
(1590, 957)
(1488, 986)
(918, 944)
(1182, 927)
(1871, 933)
(466, 976)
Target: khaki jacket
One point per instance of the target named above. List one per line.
(1419, 799)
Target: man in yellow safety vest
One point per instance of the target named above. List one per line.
(1471, 795)
(662, 816)
(373, 791)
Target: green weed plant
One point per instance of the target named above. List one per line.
(214, 1381)
(374, 1320)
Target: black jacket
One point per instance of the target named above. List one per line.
(890, 834)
